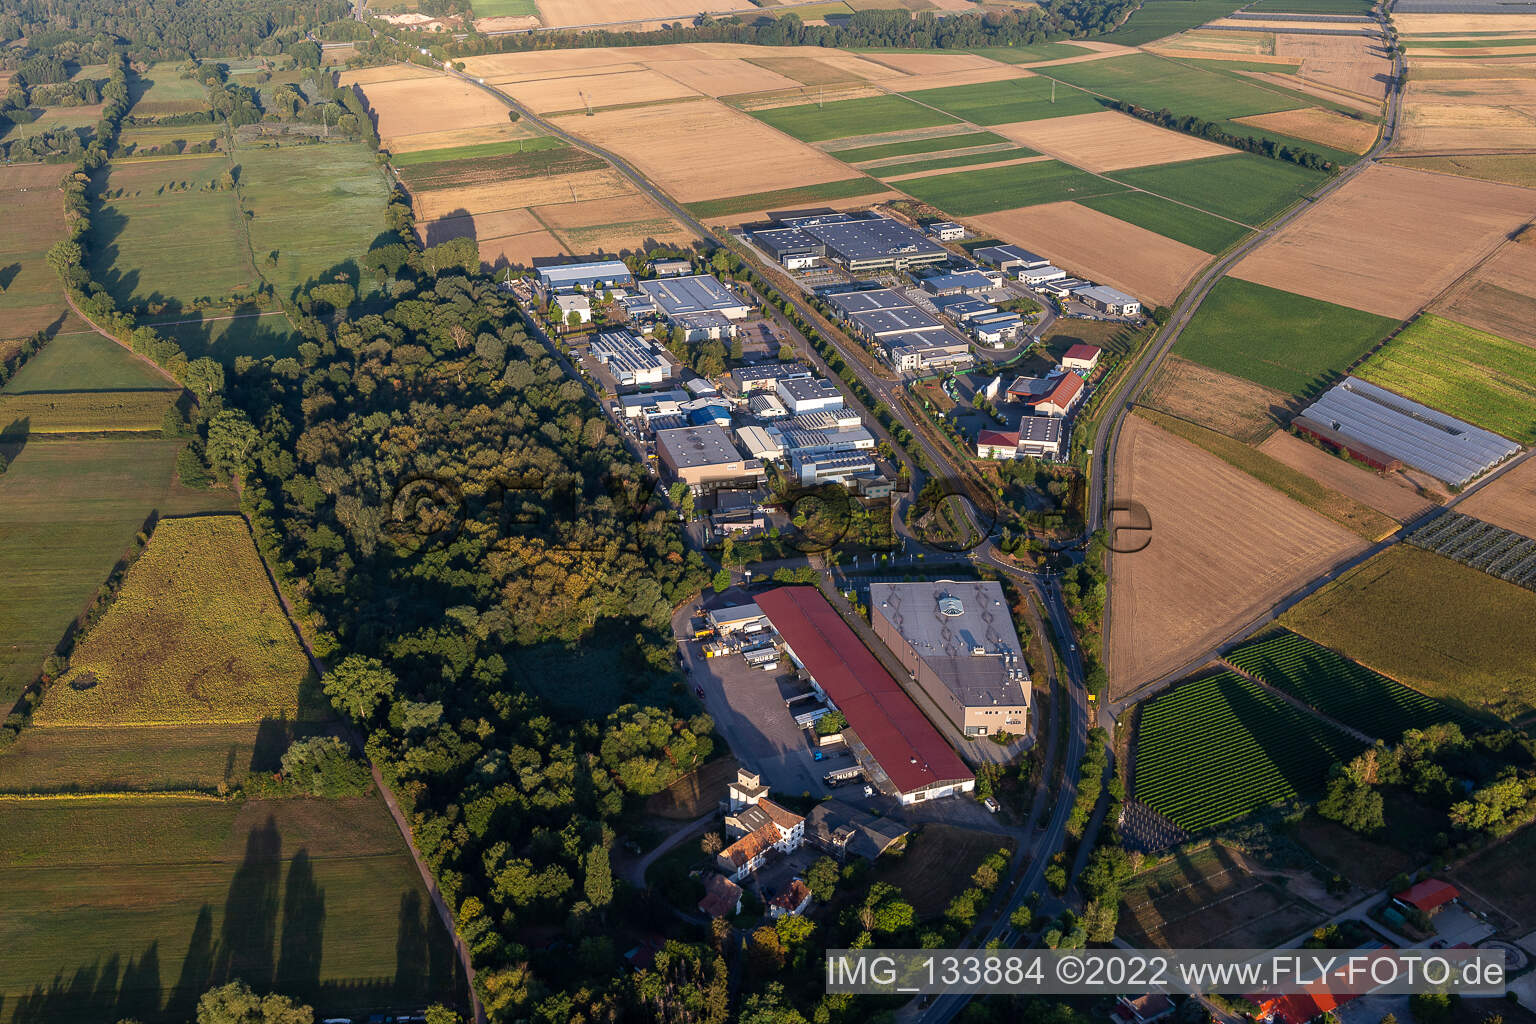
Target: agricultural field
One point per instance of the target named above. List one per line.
(1158, 18)
(87, 362)
(31, 298)
(850, 193)
(1334, 251)
(840, 119)
(1235, 407)
(1009, 101)
(1241, 187)
(157, 899)
(415, 107)
(246, 330)
(1471, 374)
(1224, 727)
(1314, 124)
(72, 509)
(1203, 231)
(1493, 549)
(332, 219)
(1500, 873)
(913, 147)
(1510, 169)
(1098, 246)
(1213, 563)
(968, 193)
(195, 635)
(163, 234)
(557, 13)
(940, 162)
(1508, 501)
(597, 92)
(1396, 495)
(421, 175)
(1449, 631)
(161, 91)
(1490, 113)
(1337, 687)
(1277, 339)
(1110, 141)
(1158, 83)
(86, 411)
(1499, 295)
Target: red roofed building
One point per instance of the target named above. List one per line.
(1081, 357)
(793, 900)
(1429, 895)
(895, 744)
(997, 444)
(722, 897)
(1047, 396)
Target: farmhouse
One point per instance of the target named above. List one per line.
(1428, 896)
(1055, 395)
(807, 394)
(901, 751)
(703, 457)
(793, 900)
(759, 827)
(1368, 419)
(946, 230)
(765, 376)
(631, 359)
(722, 897)
(869, 243)
(957, 640)
(1108, 300)
(1010, 259)
(584, 277)
(1038, 437)
(812, 468)
(670, 267)
(1081, 358)
(844, 831)
(703, 307)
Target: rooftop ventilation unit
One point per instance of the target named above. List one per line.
(951, 607)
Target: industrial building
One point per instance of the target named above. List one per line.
(1108, 300)
(828, 467)
(963, 307)
(766, 376)
(670, 267)
(946, 230)
(820, 442)
(1055, 395)
(766, 406)
(996, 328)
(652, 404)
(1035, 277)
(961, 282)
(910, 340)
(1010, 259)
(584, 277)
(738, 618)
(577, 304)
(703, 307)
(844, 831)
(1371, 417)
(898, 748)
(957, 640)
(807, 394)
(760, 444)
(827, 419)
(631, 359)
(758, 828)
(1037, 437)
(859, 243)
(792, 248)
(703, 457)
(1081, 358)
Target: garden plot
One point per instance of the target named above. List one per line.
(1496, 551)
(1236, 407)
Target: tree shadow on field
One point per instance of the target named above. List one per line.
(249, 931)
(13, 438)
(458, 223)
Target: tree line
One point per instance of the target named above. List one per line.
(1199, 126)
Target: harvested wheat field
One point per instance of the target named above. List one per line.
(1147, 265)
(978, 166)
(574, 74)
(725, 76)
(613, 225)
(1509, 501)
(1355, 64)
(1318, 125)
(705, 150)
(1500, 295)
(930, 63)
(1394, 495)
(497, 65)
(1458, 24)
(731, 220)
(1187, 53)
(578, 91)
(816, 66)
(387, 73)
(1108, 141)
(559, 13)
(1236, 407)
(1365, 246)
(975, 76)
(1481, 113)
(566, 188)
(1207, 44)
(1351, 100)
(521, 250)
(414, 106)
(1222, 550)
(491, 224)
(801, 95)
(464, 137)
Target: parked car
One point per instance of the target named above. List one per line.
(818, 756)
(699, 692)
(991, 804)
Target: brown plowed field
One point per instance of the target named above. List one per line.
(1108, 141)
(568, 188)
(1223, 548)
(1510, 501)
(1365, 247)
(724, 77)
(706, 150)
(521, 250)
(1391, 495)
(1500, 296)
(577, 91)
(1231, 405)
(1318, 125)
(408, 107)
(1147, 265)
(387, 73)
(1482, 113)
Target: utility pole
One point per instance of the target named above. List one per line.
(1053, 90)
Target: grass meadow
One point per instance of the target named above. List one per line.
(1014, 99)
(72, 507)
(872, 115)
(315, 205)
(1154, 82)
(154, 900)
(1477, 376)
(246, 330)
(1275, 338)
(195, 635)
(505, 8)
(33, 219)
(1243, 187)
(911, 147)
(1204, 231)
(1443, 628)
(967, 193)
(161, 90)
(477, 151)
(941, 162)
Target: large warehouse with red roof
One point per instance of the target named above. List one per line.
(900, 749)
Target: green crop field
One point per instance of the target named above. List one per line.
(481, 170)
(1242, 187)
(82, 119)
(79, 412)
(1362, 7)
(332, 217)
(1014, 99)
(1154, 82)
(818, 12)
(1180, 223)
(31, 298)
(862, 154)
(248, 330)
(195, 635)
(966, 193)
(71, 510)
(155, 900)
(1447, 630)
(1155, 19)
(1275, 338)
(785, 198)
(153, 240)
(1477, 376)
(839, 119)
(1028, 53)
(161, 90)
(1218, 748)
(483, 149)
(505, 8)
(87, 362)
(1339, 688)
(942, 162)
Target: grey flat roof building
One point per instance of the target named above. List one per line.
(707, 445)
(1443, 446)
(782, 242)
(696, 293)
(1005, 257)
(585, 276)
(875, 242)
(958, 641)
(630, 358)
